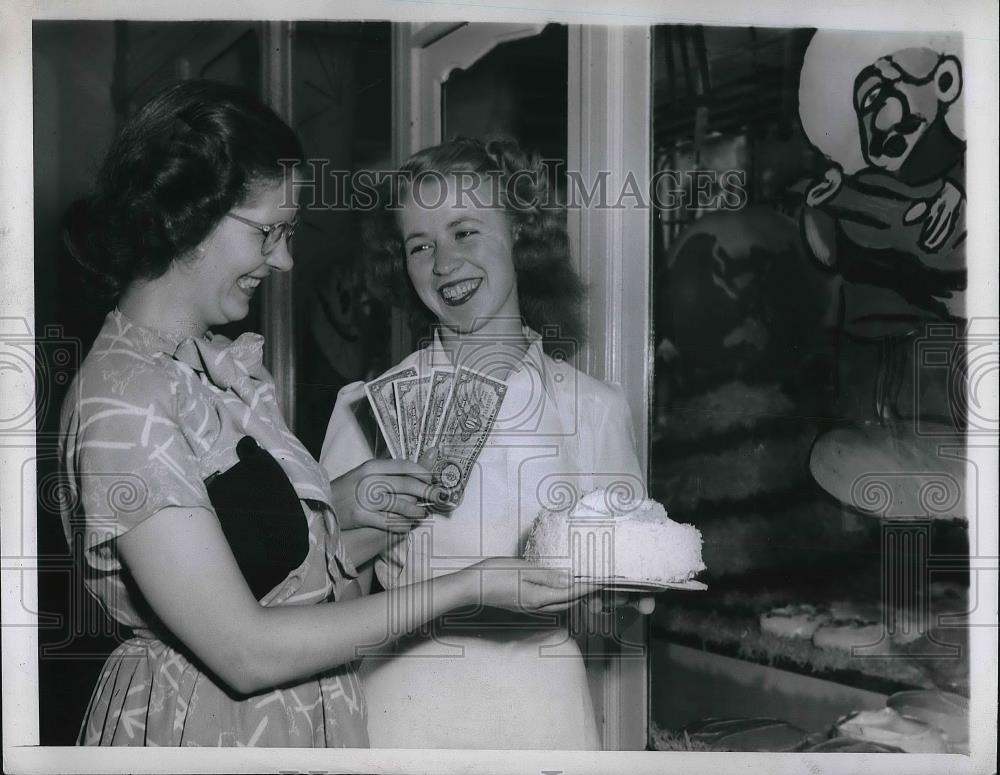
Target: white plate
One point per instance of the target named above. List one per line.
(620, 583)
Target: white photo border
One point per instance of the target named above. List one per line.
(977, 21)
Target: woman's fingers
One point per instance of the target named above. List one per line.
(547, 587)
(413, 488)
(645, 604)
(393, 523)
(378, 492)
(554, 598)
(407, 506)
(397, 468)
(608, 600)
(604, 601)
(416, 479)
(401, 494)
(555, 589)
(555, 578)
(404, 508)
(554, 608)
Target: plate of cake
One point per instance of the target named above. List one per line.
(629, 545)
(623, 584)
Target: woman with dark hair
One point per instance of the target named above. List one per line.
(204, 525)
(465, 237)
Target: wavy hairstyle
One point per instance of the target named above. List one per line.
(549, 290)
(187, 157)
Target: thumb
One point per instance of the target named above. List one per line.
(428, 458)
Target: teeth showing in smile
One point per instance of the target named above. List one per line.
(248, 283)
(459, 292)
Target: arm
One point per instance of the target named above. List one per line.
(185, 570)
(364, 543)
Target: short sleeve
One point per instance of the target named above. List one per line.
(605, 444)
(346, 446)
(616, 433)
(127, 457)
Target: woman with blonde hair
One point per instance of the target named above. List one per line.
(466, 239)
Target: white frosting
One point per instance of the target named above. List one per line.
(596, 540)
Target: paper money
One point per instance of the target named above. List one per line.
(383, 400)
(411, 395)
(473, 408)
(438, 393)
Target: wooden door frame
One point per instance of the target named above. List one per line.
(610, 134)
(421, 65)
(277, 314)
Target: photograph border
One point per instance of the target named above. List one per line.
(977, 21)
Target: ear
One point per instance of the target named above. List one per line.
(948, 79)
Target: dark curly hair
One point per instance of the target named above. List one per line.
(179, 164)
(549, 290)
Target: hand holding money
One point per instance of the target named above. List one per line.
(391, 495)
(448, 412)
(446, 502)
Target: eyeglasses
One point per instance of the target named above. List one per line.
(273, 232)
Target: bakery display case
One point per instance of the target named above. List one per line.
(797, 419)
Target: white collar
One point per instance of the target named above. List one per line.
(436, 356)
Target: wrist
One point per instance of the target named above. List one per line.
(458, 589)
(345, 522)
(344, 515)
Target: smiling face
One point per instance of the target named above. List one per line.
(220, 279)
(459, 257)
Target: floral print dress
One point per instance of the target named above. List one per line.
(148, 420)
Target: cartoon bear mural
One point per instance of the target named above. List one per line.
(888, 217)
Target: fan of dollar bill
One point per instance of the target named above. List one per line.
(450, 411)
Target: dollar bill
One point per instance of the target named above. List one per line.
(473, 409)
(438, 393)
(410, 394)
(382, 397)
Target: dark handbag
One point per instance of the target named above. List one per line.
(261, 517)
